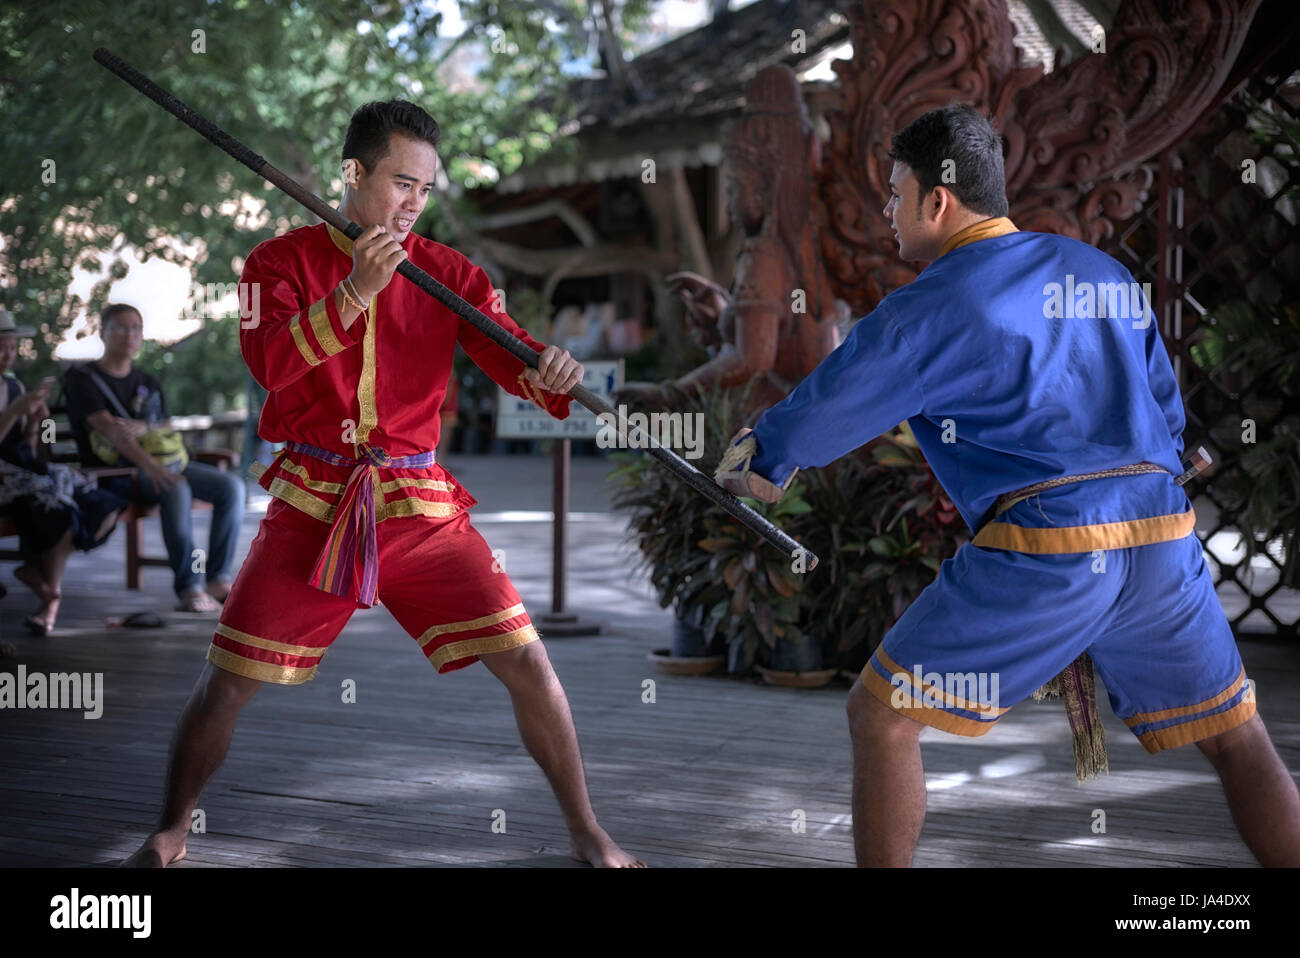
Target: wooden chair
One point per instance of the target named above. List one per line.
(133, 518)
(7, 529)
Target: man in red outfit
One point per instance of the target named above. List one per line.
(357, 367)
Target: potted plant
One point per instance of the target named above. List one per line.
(766, 608)
(877, 518)
(882, 526)
(667, 520)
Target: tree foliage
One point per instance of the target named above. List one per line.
(91, 166)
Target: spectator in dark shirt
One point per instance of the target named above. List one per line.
(54, 509)
(122, 403)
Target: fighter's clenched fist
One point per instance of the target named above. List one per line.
(742, 482)
(556, 371)
(375, 257)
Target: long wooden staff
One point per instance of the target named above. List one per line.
(667, 458)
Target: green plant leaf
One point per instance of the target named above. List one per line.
(884, 547)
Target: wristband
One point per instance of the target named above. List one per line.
(348, 300)
(353, 297)
(356, 292)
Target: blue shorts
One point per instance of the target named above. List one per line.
(996, 625)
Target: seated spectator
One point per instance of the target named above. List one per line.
(53, 507)
(115, 411)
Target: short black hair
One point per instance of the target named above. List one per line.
(112, 309)
(962, 134)
(369, 129)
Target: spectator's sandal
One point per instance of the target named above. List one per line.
(196, 600)
(40, 627)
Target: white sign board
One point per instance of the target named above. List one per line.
(520, 419)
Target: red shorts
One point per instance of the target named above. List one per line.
(436, 576)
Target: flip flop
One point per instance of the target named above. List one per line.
(38, 627)
(136, 620)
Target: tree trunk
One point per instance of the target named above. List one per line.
(687, 221)
(668, 311)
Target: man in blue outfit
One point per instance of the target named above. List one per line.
(1020, 358)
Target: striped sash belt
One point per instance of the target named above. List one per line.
(348, 565)
(1069, 539)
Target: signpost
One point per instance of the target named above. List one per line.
(520, 419)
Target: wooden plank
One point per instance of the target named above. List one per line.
(709, 775)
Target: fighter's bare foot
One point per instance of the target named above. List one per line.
(158, 851)
(597, 849)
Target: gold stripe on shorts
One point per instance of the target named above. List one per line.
(482, 622)
(269, 645)
(262, 671)
(483, 645)
(1147, 718)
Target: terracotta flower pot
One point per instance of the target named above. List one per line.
(685, 665)
(798, 680)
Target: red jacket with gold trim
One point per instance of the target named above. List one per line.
(380, 382)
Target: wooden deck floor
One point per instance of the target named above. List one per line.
(710, 774)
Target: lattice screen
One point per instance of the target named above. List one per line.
(1205, 240)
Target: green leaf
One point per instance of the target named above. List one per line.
(883, 547)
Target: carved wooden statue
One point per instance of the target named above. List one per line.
(780, 318)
